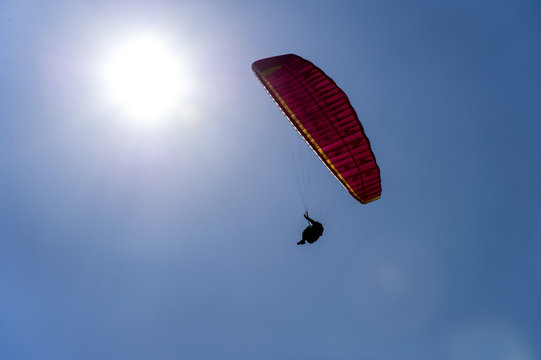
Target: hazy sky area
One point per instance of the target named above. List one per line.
(175, 237)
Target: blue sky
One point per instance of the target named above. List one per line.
(177, 239)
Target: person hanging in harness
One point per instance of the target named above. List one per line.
(312, 232)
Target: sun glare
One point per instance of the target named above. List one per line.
(143, 78)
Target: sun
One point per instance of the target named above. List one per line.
(143, 78)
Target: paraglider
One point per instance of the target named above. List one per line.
(312, 231)
(322, 114)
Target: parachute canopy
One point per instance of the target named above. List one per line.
(323, 115)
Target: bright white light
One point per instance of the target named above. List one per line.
(143, 78)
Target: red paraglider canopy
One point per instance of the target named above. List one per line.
(323, 115)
